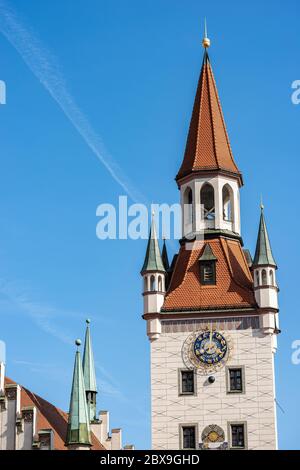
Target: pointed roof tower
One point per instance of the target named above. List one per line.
(165, 258)
(208, 147)
(88, 364)
(89, 375)
(153, 260)
(263, 253)
(78, 432)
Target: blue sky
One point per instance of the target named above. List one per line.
(132, 69)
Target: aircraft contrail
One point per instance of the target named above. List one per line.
(44, 66)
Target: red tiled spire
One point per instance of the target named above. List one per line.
(207, 148)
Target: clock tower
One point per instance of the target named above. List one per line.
(212, 316)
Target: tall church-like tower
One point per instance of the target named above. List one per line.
(212, 316)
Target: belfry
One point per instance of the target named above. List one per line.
(212, 315)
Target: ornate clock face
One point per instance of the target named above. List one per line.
(210, 347)
(206, 351)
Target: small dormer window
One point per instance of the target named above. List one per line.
(207, 263)
(208, 272)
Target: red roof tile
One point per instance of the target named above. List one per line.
(207, 147)
(234, 283)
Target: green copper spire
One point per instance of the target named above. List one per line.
(165, 258)
(78, 432)
(153, 260)
(263, 252)
(89, 374)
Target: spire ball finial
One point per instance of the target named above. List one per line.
(88, 321)
(206, 43)
(78, 342)
(206, 40)
(261, 204)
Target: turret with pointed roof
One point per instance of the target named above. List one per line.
(153, 260)
(78, 431)
(263, 253)
(165, 258)
(264, 270)
(154, 272)
(89, 374)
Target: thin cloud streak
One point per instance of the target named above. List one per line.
(42, 314)
(44, 66)
(17, 294)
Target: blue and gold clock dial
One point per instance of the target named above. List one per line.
(210, 348)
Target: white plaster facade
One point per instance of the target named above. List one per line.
(111, 441)
(154, 291)
(18, 424)
(265, 287)
(252, 349)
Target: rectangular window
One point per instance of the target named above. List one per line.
(208, 273)
(238, 436)
(235, 380)
(189, 437)
(187, 382)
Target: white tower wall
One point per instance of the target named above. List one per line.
(212, 404)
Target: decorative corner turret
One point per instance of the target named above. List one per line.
(264, 273)
(154, 283)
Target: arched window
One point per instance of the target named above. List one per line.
(227, 196)
(152, 283)
(257, 278)
(264, 277)
(159, 284)
(207, 197)
(145, 284)
(271, 278)
(188, 206)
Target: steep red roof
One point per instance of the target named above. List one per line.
(207, 147)
(234, 283)
(50, 417)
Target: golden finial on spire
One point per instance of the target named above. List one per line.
(206, 40)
